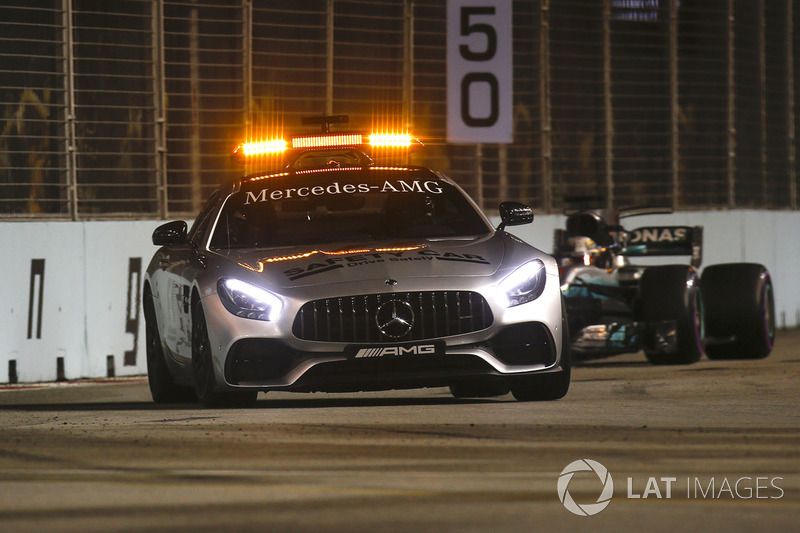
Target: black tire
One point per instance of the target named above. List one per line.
(550, 386)
(673, 293)
(163, 388)
(478, 388)
(740, 311)
(203, 370)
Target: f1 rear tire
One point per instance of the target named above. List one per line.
(740, 311)
(671, 293)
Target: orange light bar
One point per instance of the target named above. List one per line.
(393, 140)
(331, 169)
(274, 146)
(327, 141)
(268, 176)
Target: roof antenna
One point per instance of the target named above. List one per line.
(326, 120)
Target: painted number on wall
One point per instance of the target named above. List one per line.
(479, 71)
(132, 308)
(36, 299)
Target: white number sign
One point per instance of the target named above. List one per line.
(479, 71)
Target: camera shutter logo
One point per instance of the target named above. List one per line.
(585, 465)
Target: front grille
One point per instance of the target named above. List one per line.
(353, 318)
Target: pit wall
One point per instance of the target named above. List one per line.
(71, 300)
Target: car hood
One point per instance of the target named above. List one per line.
(347, 262)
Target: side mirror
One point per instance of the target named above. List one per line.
(514, 214)
(170, 234)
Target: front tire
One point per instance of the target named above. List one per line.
(162, 385)
(740, 311)
(672, 293)
(205, 381)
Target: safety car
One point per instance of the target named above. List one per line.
(331, 272)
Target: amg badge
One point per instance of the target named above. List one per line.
(420, 349)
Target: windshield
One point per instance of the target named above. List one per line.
(345, 205)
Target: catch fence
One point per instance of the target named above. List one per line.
(128, 109)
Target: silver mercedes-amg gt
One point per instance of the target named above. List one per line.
(335, 274)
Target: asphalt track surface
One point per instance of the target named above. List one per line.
(102, 457)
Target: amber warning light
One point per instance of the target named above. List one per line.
(327, 141)
(274, 146)
(331, 140)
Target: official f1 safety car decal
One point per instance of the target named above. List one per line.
(369, 258)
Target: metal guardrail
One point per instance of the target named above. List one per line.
(128, 109)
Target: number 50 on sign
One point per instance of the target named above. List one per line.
(479, 71)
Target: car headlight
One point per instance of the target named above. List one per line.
(248, 301)
(525, 284)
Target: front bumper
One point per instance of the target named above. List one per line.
(272, 364)
(267, 356)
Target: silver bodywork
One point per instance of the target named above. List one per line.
(179, 276)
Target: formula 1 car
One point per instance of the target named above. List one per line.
(670, 311)
(333, 273)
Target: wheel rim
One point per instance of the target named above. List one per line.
(769, 317)
(150, 336)
(151, 345)
(200, 357)
(699, 323)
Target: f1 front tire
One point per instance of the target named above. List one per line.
(671, 293)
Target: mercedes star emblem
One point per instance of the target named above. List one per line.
(395, 318)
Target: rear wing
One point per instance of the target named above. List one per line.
(665, 240)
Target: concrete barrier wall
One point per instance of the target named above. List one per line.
(71, 297)
(70, 302)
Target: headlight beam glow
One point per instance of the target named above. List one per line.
(248, 301)
(525, 284)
